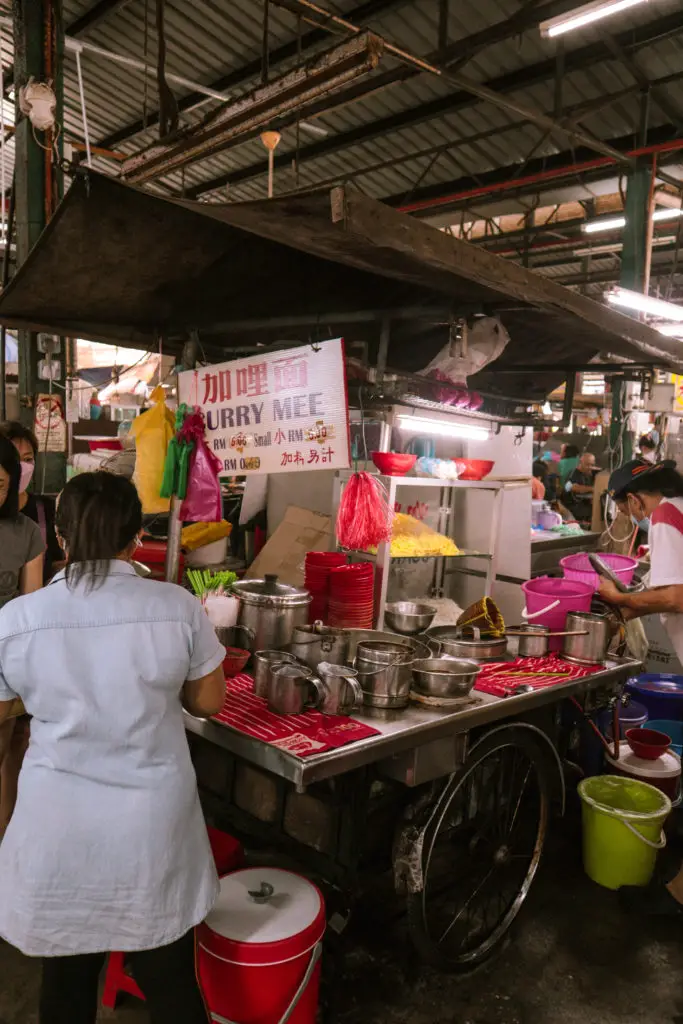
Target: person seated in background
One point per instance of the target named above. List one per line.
(538, 480)
(647, 448)
(578, 491)
(40, 509)
(569, 460)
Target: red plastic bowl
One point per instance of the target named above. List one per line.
(393, 464)
(648, 743)
(234, 661)
(474, 469)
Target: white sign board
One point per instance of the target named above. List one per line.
(280, 412)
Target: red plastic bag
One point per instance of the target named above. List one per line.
(202, 502)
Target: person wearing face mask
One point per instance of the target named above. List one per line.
(21, 572)
(40, 509)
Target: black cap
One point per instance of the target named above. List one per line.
(636, 469)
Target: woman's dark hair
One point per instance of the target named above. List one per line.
(570, 451)
(665, 481)
(647, 442)
(15, 431)
(9, 460)
(540, 470)
(98, 516)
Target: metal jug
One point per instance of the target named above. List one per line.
(384, 673)
(292, 689)
(343, 694)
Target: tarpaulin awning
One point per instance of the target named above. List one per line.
(120, 264)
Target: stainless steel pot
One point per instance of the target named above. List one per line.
(418, 647)
(384, 673)
(466, 642)
(269, 612)
(263, 664)
(533, 640)
(292, 689)
(590, 649)
(343, 694)
(445, 677)
(317, 643)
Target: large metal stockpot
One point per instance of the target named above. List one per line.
(318, 643)
(269, 612)
(384, 673)
(591, 648)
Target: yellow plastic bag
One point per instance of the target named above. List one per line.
(198, 534)
(153, 431)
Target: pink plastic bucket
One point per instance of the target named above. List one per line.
(578, 567)
(548, 601)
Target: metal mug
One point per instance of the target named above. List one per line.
(343, 694)
(590, 649)
(263, 664)
(290, 690)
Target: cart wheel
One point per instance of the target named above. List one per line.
(481, 851)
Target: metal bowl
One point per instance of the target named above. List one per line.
(409, 618)
(445, 677)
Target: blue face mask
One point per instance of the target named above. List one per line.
(642, 524)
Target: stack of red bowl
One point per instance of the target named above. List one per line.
(317, 580)
(352, 591)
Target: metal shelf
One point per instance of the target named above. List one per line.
(429, 481)
(420, 558)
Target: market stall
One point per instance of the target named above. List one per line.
(404, 776)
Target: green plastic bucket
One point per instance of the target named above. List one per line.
(622, 829)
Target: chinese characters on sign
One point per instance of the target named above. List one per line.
(276, 413)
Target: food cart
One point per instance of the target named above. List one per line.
(455, 800)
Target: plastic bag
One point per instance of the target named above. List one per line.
(461, 358)
(153, 431)
(203, 503)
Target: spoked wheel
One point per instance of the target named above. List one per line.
(481, 851)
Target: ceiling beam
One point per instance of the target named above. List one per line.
(542, 173)
(363, 13)
(660, 95)
(92, 18)
(523, 78)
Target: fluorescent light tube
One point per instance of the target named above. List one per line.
(667, 214)
(443, 429)
(585, 15)
(645, 304)
(613, 247)
(606, 224)
(671, 330)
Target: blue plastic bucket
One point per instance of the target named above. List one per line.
(661, 694)
(672, 729)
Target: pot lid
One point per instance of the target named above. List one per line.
(270, 591)
(650, 682)
(264, 905)
(666, 766)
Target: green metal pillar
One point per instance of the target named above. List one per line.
(634, 258)
(38, 53)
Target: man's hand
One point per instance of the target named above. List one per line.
(609, 592)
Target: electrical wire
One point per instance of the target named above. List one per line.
(112, 379)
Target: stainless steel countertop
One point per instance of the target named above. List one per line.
(546, 538)
(399, 730)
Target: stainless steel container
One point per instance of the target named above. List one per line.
(590, 649)
(263, 664)
(343, 694)
(533, 640)
(445, 677)
(292, 689)
(269, 612)
(419, 648)
(384, 673)
(466, 642)
(317, 643)
(409, 618)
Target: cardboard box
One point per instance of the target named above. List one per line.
(300, 531)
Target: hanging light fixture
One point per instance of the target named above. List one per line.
(585, 15)
(645, 304)
(271, 141)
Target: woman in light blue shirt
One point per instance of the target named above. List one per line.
(107, 848)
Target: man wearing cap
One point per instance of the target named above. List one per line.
(653, 497)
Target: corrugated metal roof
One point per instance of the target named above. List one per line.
(209, 39)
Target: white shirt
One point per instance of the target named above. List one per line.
(107, 848)
(666, 560)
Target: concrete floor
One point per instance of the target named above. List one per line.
(575, 959)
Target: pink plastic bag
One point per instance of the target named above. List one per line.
(203, 502)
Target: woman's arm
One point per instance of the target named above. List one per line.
(31, 577)
(204, 697)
